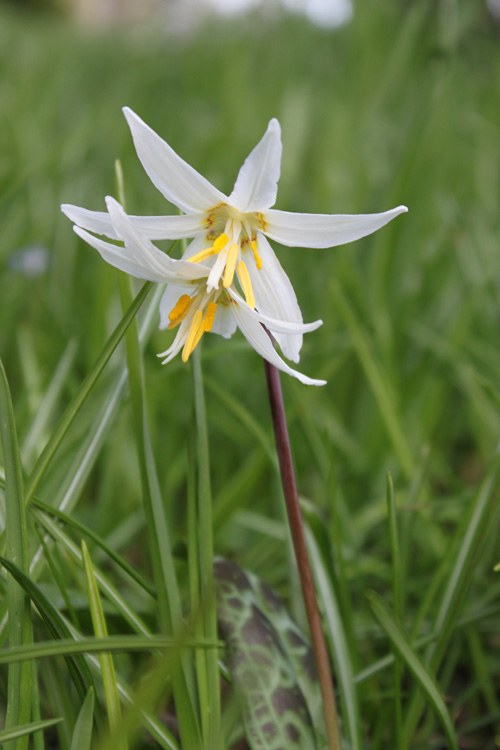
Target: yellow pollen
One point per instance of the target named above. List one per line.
(246, 284)
(232, 257)
(192, 337)
(220, 242)
(202, 255)
(258, 259)
(209, 316)
(179, 312)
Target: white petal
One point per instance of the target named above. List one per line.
(120, 258)
(257, 182)
(178, 181)
(256, 336)
(275, 325)
(323, 230)
(275, 295)
(143, 250)
(154, 227)
(224, 321)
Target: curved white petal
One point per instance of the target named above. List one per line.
(257, 182)
(154, 227)
(176, 179)
(323, 230)
(256, 336)
(120, 258)
(275, 295)
(275, 325)
(143, 251)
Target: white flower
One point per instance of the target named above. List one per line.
(229, 241)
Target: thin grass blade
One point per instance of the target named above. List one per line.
(416, 667)
(19, 689)
(26, 729)
(107, 665)
(82, 733)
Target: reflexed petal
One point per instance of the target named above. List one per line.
(275, 296)
(154, 227)
(145, 252)
(256, 336)
(275, 325)
(257, 182)
(178, 181)
(120, 258)
(323, 230)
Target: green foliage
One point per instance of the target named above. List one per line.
(399, 106)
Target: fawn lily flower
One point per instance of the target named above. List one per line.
(229, 242)
(188, 302)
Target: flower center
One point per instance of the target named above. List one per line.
(229, 246)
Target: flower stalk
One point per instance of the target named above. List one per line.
(301, 554)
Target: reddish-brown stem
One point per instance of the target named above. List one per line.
(301, 554)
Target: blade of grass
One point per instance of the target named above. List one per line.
(44, 412)
(82, 733)
(19, 688)
(338, 644)
(206, 558)
(83, 392)
(102, 644)
(107, 588)
(396, 594)
(82, 529)
(55, 624)
(26, 729)
(169, 607)
(419, 671)
(377, 381)
(460, 561)
(107, 664)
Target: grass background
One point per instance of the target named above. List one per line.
(399, 106)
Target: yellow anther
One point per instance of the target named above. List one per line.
(246, 284)
(202, 255)
(192, 338)
(209, 316)
(180, 310)
(220, 242)
(258, 259)
(232, 257)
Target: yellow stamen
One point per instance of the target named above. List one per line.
(192, 339)
(179, 312)
(202, 255)
(258, 259)
(209, 316)
(220, 242)
(232, 257)
(246, 284)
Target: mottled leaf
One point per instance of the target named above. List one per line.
(270, 662)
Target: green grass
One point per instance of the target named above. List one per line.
(400, 106)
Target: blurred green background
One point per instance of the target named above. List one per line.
(397, 106)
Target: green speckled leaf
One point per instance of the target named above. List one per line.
(271, 664)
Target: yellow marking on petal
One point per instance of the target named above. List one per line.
(229, 270)
(209, 316)
(179, 312)
(246, 284)
(220, 242)
(263, 224)
(202, 255)
(192, 339)
(258, 259)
